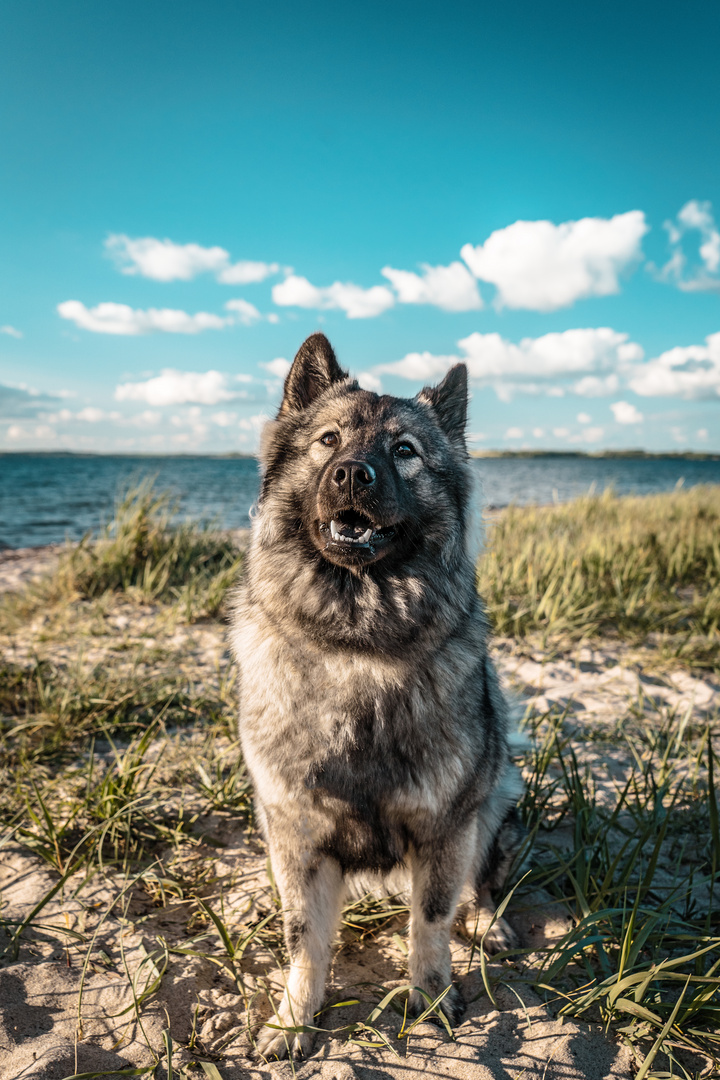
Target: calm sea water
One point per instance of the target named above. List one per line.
(44, 499)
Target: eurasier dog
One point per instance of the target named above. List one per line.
(371, 719)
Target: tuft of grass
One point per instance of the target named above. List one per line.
(47, 710)
(634, 864)
(145, 553)
(637, 567)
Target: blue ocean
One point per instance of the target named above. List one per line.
(46, 498)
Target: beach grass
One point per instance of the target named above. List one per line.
(145, 553)
(127, 769)
(642, 569)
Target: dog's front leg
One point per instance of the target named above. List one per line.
(438, 873)
(311, 890)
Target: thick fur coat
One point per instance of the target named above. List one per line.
(371, 719)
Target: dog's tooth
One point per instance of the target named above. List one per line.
(365, 537)
(334, 531)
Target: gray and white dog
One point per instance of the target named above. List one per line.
(371, 718)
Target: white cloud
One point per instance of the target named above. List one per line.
(40, 431)
(278, 367)
(596, 385)
(451, 288)
(702, 434)
(369, 381)
(252, 423)
(691, 371)
(514, 433)
(542, 266)
(584, 418)
(356, 302)
(592, 434)
(109, 318)
(492, 360)
(561, 432)
(245, 312)
(249, 429)
(163, 260)
(538, 433)
(192, 419)
(178, 388)
(224, 418)
(420, 366)
(91, 415)
(695, 216)
(11, 331)
(246, 272)
(626, 413)
(147, 418)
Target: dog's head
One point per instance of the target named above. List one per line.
(362, 477)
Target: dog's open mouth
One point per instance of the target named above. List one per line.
(349, 529)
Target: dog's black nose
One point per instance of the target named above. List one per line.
(353, 475)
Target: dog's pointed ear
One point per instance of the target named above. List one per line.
(314, 370)
(449, 401)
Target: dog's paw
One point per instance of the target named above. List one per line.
(452, 1005)
(273, 1042)
(499, 937)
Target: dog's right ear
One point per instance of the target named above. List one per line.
(314, 370)
(449, 401)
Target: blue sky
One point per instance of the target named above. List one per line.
(188, 190)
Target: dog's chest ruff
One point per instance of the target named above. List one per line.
(355, 784)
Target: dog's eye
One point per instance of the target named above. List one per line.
(404, 449)
(330, 438)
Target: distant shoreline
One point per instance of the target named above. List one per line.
(645, 455)
(119, 454)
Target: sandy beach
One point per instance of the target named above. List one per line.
(118, 966)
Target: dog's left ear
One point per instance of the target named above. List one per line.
(314, 370)
(449, 402)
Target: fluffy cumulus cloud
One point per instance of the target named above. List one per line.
(109, 318)
(356, 302)
(626, 413)
(245, 312)
(528, 366)
(278, 367)
(368, 380)
(451, 288)
(163, 260)
(178, 388)
(690, 371)
(597, 385)
(701, 272)
(542, 266)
